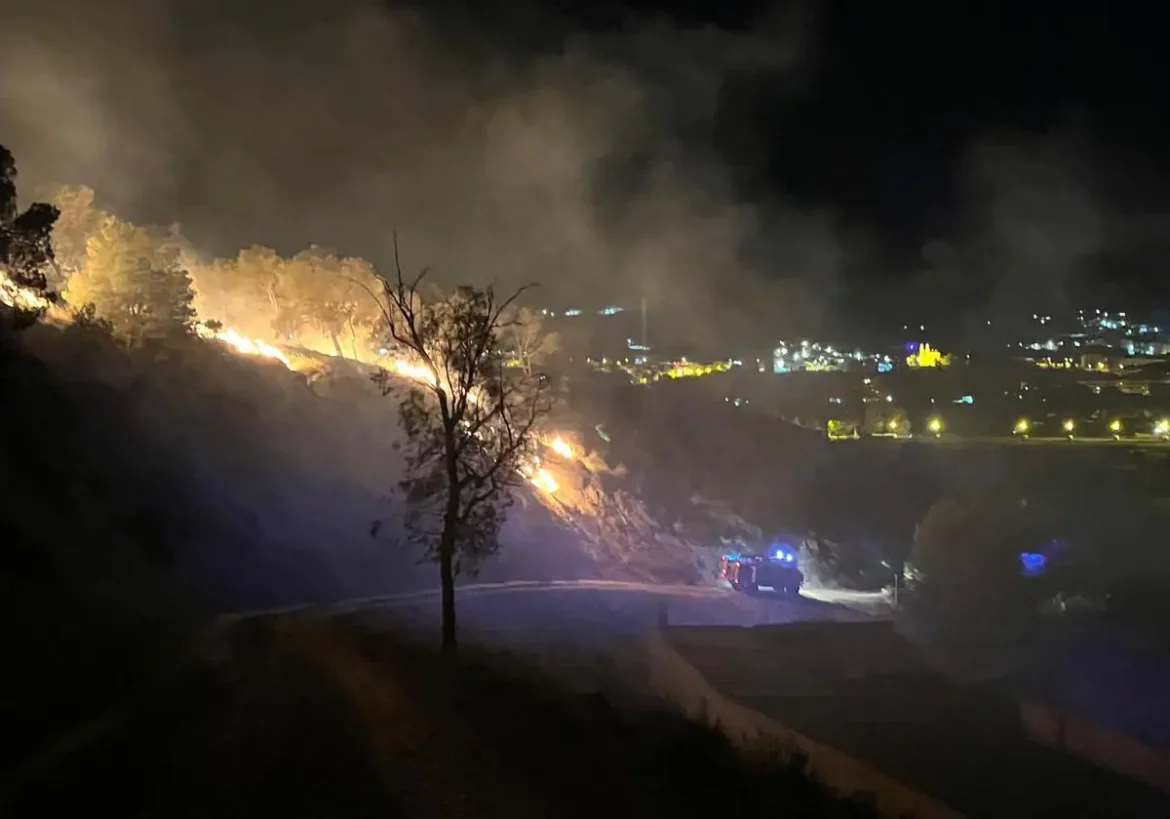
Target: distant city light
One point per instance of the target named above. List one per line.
(927, 356)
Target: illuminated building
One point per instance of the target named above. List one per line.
(927, 356)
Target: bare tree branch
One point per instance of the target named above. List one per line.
(471, 426)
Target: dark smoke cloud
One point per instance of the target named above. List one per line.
(1051, 222)
(1029, 236)
(1041, 224)
(583, 162)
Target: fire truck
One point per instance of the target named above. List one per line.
(775, 569)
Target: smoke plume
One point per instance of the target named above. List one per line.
(582, 161)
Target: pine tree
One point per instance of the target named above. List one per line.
(135, 283)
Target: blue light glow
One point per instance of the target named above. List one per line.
(1033, 563)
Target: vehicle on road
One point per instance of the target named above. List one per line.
(775, 569)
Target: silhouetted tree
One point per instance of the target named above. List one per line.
(26, 250)
(470, 425)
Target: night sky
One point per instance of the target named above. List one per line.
(902, 159)
(878, 125)
(904, 87)
(898, 92)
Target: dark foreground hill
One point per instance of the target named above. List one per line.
(145, 489)
(293, 720)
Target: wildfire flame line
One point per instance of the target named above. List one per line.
(533, 472)
(245, 346)
(15, 295)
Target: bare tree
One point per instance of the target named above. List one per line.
(470, 424)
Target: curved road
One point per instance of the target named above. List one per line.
(866, 602)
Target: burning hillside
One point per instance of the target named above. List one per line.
(244, 346)
(574, 520)
(296, 464)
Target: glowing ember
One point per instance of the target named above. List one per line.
(424, 375)
(415, 372)
(539, 477)
(543, 480)
(562, 447)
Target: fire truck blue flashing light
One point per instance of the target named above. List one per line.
(779, 553)
(784, 555)
(1033, 563)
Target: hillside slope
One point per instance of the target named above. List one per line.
(284, 474)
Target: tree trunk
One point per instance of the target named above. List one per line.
(353, 339)
(336, 343)
(447, 544)
(447, 586)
